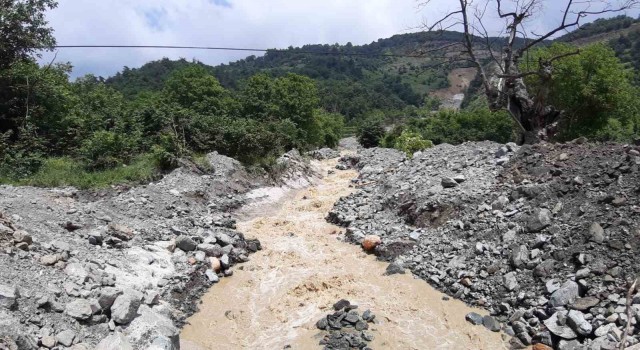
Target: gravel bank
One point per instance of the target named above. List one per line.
(545, 237)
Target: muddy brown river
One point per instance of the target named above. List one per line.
(275, 299)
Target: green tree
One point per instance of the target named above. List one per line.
(593, 89)
(370, 133)
(196, 89)
(24, 30)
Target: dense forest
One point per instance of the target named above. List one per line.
(96, 131)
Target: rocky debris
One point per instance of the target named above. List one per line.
(76, 257)
(346, 328)
(532, 234)
(323, 153)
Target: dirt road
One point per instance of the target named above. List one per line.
(275, 299)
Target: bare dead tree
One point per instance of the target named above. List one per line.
(503, 81)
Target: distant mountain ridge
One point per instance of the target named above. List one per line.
(356, 79)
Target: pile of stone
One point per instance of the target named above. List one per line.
(323, 153)
(346, 328)
(545, 237)
(85, 269)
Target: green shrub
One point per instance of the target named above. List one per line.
(410, 142)
(454, 127)
(106, 149)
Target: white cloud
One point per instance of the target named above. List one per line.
(229, 23)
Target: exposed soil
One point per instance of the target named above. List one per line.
(275, 299)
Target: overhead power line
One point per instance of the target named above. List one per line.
(234, 49)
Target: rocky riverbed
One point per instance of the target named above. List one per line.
(124, 267)
(545, 237)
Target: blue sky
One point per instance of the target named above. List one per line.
(231, 23)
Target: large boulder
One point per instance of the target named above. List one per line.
(566, 294)
(152, 330)
(8, 296)
(107, 296)
(80, 309)
(538, 220)
(186, 243)
(125, 308)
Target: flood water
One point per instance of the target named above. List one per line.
(275, 299)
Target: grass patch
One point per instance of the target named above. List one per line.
(59, 172)
(201, 161)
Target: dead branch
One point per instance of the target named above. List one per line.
(627, 328)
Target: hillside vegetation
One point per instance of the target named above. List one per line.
(99, 131)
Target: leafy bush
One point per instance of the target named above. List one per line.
(410, 142)
(454, 127)
(593, 89)
(107, 149)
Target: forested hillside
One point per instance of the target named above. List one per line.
(352, 80)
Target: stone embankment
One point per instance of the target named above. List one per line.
(545, 237)
(122, 268)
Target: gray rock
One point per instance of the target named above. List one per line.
(5, 230)
(66, 337)
(80, 309)
(21, 236)
(225, 261)
(604, 329)
(570, 345)
(491, 323)
(48, 341)
(151, 297)
(152, 330)
(116, 341)
(596, 233)
(211, 249)
(76, 271)
(510, 281)
(8, 296)
(224, 239)
(459, 178)
(212, 276)
(544, 268)
(394, 268)
(107, 296)
(567, 293)
(186, 243)
(577, 322)
(500, 203)
(584, 304)
(519, 256)
(124, 308)
(557, 325)
(474, 318)
(538, 221)
(448, 182)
